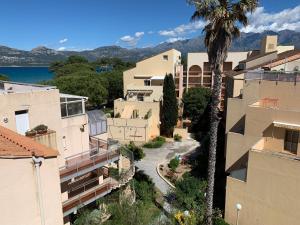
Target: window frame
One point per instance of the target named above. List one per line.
(291, 140)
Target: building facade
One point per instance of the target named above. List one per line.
(262, 150)
(137, 115)
(83, 160)
(30, 184)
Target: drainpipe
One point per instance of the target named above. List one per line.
(37, 161)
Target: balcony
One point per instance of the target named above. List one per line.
(88, 189)
(87, 196)
(82, 163)
(273, 76)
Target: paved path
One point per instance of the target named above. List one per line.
(160, 155)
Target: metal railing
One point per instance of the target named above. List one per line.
(292, 76)
(87, 196)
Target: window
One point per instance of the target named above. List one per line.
(71, 107)
(165, 57)
(291, 141)
(135, 114)
(140, 97)
(147, 83)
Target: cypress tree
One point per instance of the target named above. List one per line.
(169, 109)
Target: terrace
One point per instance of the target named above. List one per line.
(96, 157)
(283, 76)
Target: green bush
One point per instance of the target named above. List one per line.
(114, 173)
(118, 115)
(41, 127)
(220, 221)
(177, 137)
(155, 143)
(173, 164)
(138, 152)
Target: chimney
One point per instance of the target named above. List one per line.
(268, 44)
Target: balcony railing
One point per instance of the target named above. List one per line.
(87, 196)
(273, 76)
(91, 190)
(84, 162)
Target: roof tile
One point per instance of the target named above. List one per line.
(16, 145)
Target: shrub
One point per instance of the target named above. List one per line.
(177, 137)
(155, 143)
(114, 173)
(220, 221)
(118, 115)
(138, 152)
(173, 164)
(40, 127)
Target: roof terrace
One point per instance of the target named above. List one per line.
(282, 76)
(7, 87)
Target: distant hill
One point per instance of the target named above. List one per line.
(44, 56)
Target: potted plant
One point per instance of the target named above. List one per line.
(41, 129)
(30, 133)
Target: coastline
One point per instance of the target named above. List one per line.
(14, 66)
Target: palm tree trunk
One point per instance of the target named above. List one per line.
(213, 133)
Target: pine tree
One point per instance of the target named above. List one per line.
(169, 109)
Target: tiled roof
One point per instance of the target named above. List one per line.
(16, 145)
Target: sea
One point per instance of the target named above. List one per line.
(27, 74)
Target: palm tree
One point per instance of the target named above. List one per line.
(224, 20)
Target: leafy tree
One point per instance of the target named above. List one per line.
(138, 152)
(114, 85)
(135, 214)
(224, 19)
(91, 86)
(189, 195)
(195, 102)
(88, 217)
(169, 110)
(115, 63)
(4, 77)
(76, 59)
(74, 69)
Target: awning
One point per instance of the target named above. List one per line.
(291, 126)
(157, 78)
(139, 90)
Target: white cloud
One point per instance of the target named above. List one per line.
(132, 40)
(261, 20)
(183, 29)
(63, 40)
(61, 49)
(171, 40)
(150, 32)
(139, 34)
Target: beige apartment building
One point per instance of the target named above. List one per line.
(83, 160)
(137, 115)
(262, 136)
(199, 74)
(270, 57)
(30, 186)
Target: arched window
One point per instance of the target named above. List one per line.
(195, 70)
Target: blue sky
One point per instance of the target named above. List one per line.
(87, 24)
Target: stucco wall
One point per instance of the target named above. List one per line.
(270, 195)
(154, 66)
(271, 179)
(43, 108)
(139, 129)
(19, 196)
(75, 135)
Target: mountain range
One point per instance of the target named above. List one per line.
(44, 56)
